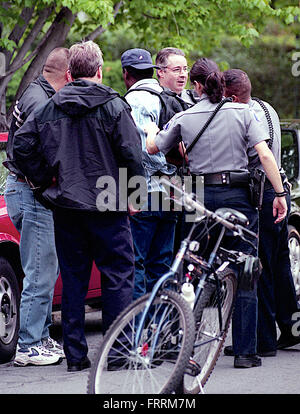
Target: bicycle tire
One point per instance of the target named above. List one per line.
(210, 337)
(157, 365)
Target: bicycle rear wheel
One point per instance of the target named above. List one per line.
(210, 335)
(157, 363)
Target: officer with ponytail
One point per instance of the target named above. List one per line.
(220, 156)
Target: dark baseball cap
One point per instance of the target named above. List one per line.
(137, 58)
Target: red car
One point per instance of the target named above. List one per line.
(11, 274)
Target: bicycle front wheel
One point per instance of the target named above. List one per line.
(155, 364)
(212, 324)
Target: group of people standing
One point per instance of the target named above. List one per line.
(69, 129)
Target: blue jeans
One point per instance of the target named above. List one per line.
(153, 238)
(276, 292)
(244, 320)
(38, 258)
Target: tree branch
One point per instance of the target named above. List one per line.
(18, 31)
(18, 61)
(150, 17)
(100, 29)
(54, 37)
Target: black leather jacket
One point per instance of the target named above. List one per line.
(36, 94)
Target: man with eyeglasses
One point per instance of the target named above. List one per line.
(173, 73)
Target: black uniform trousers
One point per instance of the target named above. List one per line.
(81, 238)
(244, 320)
(276, 292)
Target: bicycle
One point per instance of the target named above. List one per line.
(160, 343)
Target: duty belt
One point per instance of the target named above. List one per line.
(233, 178)
(217, 178)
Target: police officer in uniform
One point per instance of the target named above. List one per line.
(277, 300)
(220, 152)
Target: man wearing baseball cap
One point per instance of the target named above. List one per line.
(152, 228)
(138, 59)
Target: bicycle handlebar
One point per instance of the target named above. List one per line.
(189, 201)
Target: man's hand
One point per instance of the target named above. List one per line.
(279, 208)
(132, 210)
(151, 130)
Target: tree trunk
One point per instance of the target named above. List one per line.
(18, 31)
(15, 35)
(55, 37)
(19, 61)
(3, 123)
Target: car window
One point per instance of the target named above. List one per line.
(3, 170)
(289, 153)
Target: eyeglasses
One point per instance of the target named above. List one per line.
(178, 69)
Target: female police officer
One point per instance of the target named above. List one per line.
(220, 156)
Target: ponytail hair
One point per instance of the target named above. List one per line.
(207, 72)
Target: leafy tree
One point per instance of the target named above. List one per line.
(268, 64)
(31, 29)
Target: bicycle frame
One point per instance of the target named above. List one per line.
(180, 256)
(172, 275)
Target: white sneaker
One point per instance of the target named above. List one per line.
(35, 355)
(53, 346)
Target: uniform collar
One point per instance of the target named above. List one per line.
(203, 97)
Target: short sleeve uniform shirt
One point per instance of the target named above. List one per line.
(261, 118)
(223, 145)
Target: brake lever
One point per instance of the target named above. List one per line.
(241, 230)
(240, 233)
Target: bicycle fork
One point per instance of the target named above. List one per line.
(169, 275)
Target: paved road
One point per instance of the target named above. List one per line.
(277, 375)
(52, 379)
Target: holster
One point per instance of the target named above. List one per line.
(239, 178)
(256, 186)
(250, 272)
(184, 171)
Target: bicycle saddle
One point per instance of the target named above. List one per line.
(232, 215)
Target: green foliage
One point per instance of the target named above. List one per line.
(197, 26)
(269, 66)
(112, 76)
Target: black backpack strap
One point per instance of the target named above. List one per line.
(144, 88)
(219, 106)
(193, 96)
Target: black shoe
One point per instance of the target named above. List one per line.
(79, 366)
(193, 368)
(228, 351)
(287, 342)
(267, 353)
(246, 361)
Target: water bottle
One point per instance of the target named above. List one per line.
(187, 291)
